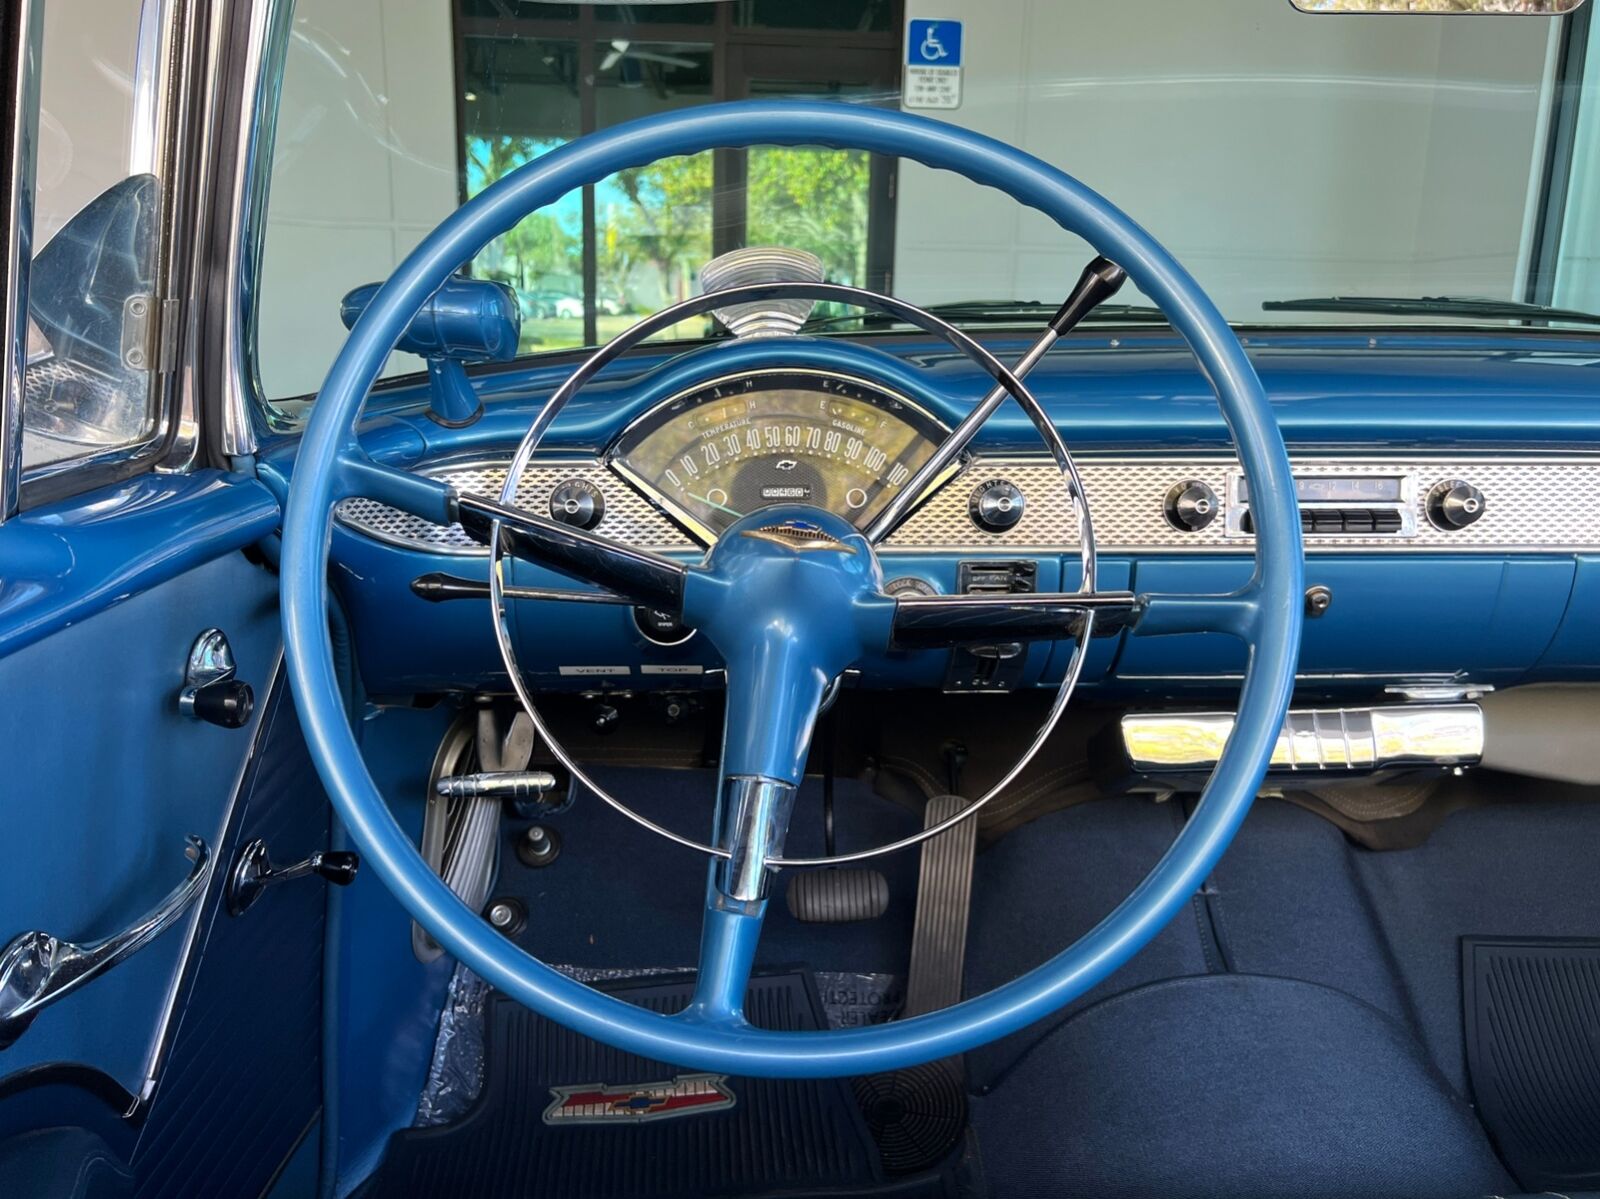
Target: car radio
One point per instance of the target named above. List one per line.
(1337, 505)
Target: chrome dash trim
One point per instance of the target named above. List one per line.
(1535, 504)
(628, 518)
(1314, 740)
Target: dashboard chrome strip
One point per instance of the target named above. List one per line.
(1533, 504)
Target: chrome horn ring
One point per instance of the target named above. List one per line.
(858, 297)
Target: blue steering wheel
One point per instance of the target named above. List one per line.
(790, 598)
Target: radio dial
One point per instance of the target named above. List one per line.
(1454, 504)
(1191, 506)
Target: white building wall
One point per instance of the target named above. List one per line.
(1275, 153)
(365, 165)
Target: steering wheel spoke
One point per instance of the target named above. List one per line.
(773, 700)
(1237, 613)
(641, 576)
(355, 474)
(941, 621)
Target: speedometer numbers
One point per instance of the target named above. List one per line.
(739, 444)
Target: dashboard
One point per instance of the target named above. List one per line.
(1447, 498)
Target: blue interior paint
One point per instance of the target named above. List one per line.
(1574, 650)
(66, 562)
(1269, 610)
(465, 321)
(1394, 615)
(1413, 391)
(107, 820)
(387, 1002)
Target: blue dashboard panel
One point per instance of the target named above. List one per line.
(1488, 614)
(1132, 389)
(1392, 617)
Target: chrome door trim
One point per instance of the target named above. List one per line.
(19, 243)
(261, 76)
(188, 960)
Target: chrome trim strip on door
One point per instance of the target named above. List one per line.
(261, 77)
(188, 960)
(19, 246)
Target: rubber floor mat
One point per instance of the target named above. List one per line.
(563, 1115)
(1533, 1053)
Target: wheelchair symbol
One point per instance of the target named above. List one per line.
(932, 49)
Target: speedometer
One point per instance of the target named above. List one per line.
(738, 444)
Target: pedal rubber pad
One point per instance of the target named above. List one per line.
(837, 896)
(944, 900)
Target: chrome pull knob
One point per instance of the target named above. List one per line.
(211, 692)
(36, 968)
(254, 872)
(517, 786)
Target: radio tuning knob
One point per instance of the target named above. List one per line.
(1454, 504)
(577, 502)
(997, 506)
(1191, 506)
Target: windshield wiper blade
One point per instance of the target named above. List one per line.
(1483, 309)
(991, 312)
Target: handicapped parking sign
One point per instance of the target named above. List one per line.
(934, 44)
(933, 64)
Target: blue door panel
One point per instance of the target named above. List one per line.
(241, 1085)
(64, 563)
(100, 601)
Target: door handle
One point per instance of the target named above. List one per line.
(36, 968)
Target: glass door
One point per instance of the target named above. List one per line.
(838, 204)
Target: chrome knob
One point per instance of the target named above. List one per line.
(997, 506)
(1454, 504)
(579, 503)
(1191, 506)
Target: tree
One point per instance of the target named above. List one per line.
(668, 217)
(540, 244)
(813, 200)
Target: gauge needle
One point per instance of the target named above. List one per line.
(713, 503)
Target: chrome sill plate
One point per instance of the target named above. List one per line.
(1314, 740)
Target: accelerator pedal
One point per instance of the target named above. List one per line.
(944, 901)
(837, 896)
(1533, 1053)
(918, 1115)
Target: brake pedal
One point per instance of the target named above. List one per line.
(837, 896)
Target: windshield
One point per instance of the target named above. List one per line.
(1307, 168)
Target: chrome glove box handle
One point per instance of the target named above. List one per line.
(36, 968)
